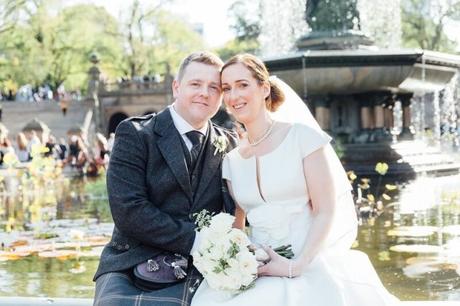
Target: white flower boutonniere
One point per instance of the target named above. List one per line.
(220, 143)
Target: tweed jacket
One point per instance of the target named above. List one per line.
(150, 194)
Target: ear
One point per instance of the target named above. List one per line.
(175, 88)
(266, 89)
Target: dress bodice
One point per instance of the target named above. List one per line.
(275, 196)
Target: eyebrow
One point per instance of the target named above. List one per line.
(201, 81)
(237, 81)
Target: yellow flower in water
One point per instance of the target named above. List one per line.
(10, 224)
(365, 180)
(381, 168)
(38, 149)
(391, 187)
(386, 197)
(364, 186)
(10, 159)
(76, 234)
(351, 175)
(371, 198)
(384, 256)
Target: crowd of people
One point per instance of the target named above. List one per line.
(76, 152)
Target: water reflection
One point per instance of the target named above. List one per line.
(414, 244)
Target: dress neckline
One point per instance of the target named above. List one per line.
(272, 151)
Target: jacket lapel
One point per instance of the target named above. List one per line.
(211, 163)
(170, 147)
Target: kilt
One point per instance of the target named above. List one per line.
(117, 289)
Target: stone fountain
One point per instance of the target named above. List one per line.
(353, 87)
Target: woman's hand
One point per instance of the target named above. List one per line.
(279, 266)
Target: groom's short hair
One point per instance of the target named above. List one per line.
(204, 57)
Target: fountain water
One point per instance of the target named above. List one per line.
(381, 20)
(355, 84)
(284, 26)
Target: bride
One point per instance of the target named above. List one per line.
(288, 182)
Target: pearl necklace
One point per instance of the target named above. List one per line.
(264, 136)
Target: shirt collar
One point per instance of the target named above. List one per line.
(182, 125)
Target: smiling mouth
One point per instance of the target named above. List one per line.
(201, 103)
(239, 106)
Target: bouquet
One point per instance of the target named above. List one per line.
(223, 256)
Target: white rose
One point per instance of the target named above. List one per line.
(239, 237)
(221, 223)
(247, 262)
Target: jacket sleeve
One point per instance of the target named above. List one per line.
(133, 214)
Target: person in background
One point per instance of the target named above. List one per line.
(101, 151)
(33, 140)
(110, 141)
(62, 148)
(21, 143)
(5, 144)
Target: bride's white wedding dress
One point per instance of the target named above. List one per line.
(278, 212)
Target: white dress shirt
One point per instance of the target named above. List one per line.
(184, 127)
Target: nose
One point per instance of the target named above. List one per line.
(230, 95)
(205, 91)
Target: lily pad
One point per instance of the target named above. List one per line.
(60, 254)
(416, 248)
(5, 256)
(98, 240)
(417, 269)
(412, 231)
(95, 252)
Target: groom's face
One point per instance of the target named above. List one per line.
(198, 94)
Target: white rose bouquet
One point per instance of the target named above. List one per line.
(223, 256)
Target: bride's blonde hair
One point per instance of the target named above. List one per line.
(260, 73)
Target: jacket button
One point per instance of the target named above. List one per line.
(126, 246)
(119, 247)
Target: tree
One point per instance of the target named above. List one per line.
(172, 40)
(55, 49)
(11, 12)
(424, 21)
(155, 39)
(247, 29)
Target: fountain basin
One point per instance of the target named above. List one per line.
(355, 71)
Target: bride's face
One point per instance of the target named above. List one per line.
(244, 96)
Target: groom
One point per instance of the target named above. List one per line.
(163, 169)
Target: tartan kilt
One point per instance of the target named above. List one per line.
(117, 289)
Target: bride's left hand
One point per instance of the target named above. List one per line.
(277, 266)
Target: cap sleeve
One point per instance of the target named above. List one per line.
(310, 139)
(226, 174)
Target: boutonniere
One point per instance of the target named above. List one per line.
(220, 143)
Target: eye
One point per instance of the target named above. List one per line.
(225, 89)
(195, 84)
(243, 85)
(215, 88)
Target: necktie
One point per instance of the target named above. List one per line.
(196, 139)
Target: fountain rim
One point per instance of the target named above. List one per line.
(361, 57)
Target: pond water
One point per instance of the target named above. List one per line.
(414, 244)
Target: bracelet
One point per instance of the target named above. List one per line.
(290, 269)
